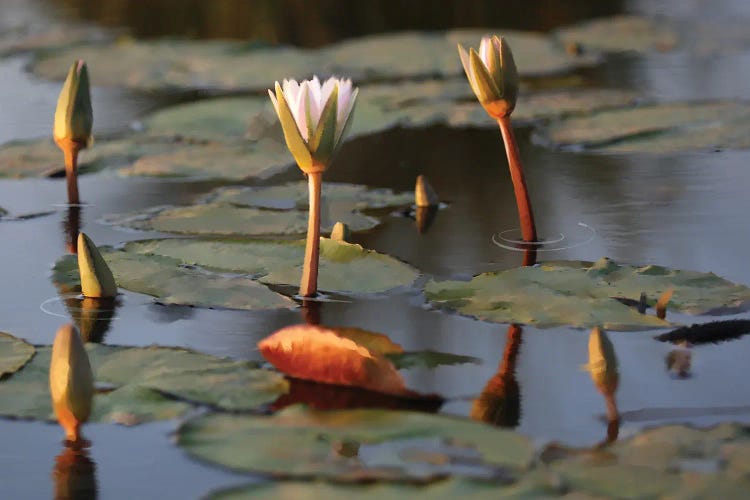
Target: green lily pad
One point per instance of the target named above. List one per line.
(147, 382)
(428, 359)
(298, 442)
(658, 128)
(42, 158)
(170, 283)
(582, 294)
(14, 354)
(295, 195)
(344, 267)
(616, 481)
(620, 34)
(229, 220)
(226, 65)
(215, 161)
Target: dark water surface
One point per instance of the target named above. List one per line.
(683, 211)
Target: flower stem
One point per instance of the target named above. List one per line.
(309, 284)
(525, 214)
(70, 150)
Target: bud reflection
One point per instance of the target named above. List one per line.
(74, 475)
(604, 373)
(500, 402)
(93, 316)
(424, 217)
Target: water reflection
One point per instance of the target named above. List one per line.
(500, 401)
(74, 475)
(71, 227)
(604, 372)
(424, 217)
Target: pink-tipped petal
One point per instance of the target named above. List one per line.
(484, 49)
(299, 110)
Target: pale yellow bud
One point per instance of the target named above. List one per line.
(96, 277)
(74, 116)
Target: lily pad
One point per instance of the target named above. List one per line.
(624, 33)
(226, 65)
(344, 267)
(215, 161)
(583, 294)
(42, 158)
(14, 354)
(340, 197)
(147, 382)
(428, 359)
(171, 283)
(658, 128)
(298, 442)
(229, 220)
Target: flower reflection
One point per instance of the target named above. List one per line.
(500, 401)
(604, 372)
(74, 475)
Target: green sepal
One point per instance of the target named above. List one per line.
(483, 84)
(294, 141)
(323, 142)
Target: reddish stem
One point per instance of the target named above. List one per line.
(70, 150)
(309, 284)
(525, 214)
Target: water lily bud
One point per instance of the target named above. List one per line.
(602, 362)
(424, 195)
(492, 75)
(73, 116)
(314, 118)
(96, 277)
(341, 232)
(71, 381)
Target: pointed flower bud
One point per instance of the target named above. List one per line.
(96, 277)
(602, 362)
(492, 74)
(341, 232)
(74, 116)
(424, 195)
(314, 118)
(71, 381)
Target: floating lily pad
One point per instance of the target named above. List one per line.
(42, 158)
(344, 267)
(215, 161)
(147, 382)
(14, 354)
(658, 128)
(428, 359)
(620, 34)
(583, 294)
(225, 65)
(298, 442)
(295, 195)
(229, 220)
(170, 283)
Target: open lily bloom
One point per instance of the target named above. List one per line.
(314, 118)
(492, 74)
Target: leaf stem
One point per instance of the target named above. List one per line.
(309, 284)
(525, 213)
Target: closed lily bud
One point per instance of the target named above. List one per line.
(71, 381)
(424, 195)
(314, 118)
(73, 116)
(492, 74)
(341, 232)
(96, 277)
(602, 362)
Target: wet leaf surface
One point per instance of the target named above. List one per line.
(624, 33)
(428, 359)
(14, 354)
(582, 294)
(217, 65)
(657, 128)
(151, 383)
(298, 442)
(344, 267)
(171, 283)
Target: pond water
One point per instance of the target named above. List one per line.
(685, 211)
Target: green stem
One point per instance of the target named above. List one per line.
(309, 284)
(526, 215)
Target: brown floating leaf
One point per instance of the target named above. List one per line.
(339, 356)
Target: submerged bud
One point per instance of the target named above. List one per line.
(492, 75)
(73, 116)
(96, 277)
(341, 232)
(71, 381)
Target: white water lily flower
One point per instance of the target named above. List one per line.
(492, 74)
(314, 118)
